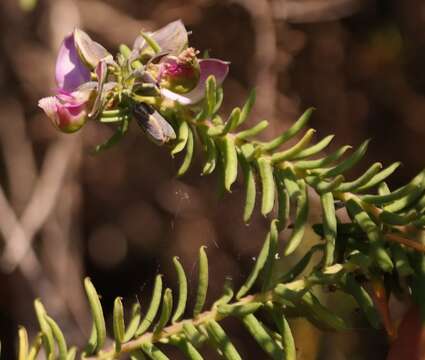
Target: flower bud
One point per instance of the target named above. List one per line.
(67, 112)
(208, 67)
(180, 74)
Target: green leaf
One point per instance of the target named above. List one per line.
(401, 261)
(300, 220)
(201, 293)
(166, 309)
(222, 341)
(91, 343)
(192, 334)
(211, 150)
(381, 176)
(215, 130)
(272, 256)
(97, 313)
(420, 204)
(322, 186)
(72, 353)
(294, 150)
(250, 189)
(151, 42)
(116, 137)
(300, 266)
(189, 350)
(418, 187)
(378, 252)
(227, 293)
(348, 163)
(268, 187)
(218, 99)
(363, 299)
(182, 138)
(247, 108)
(189, 154)
(210, 94)
(35, 347)
(383, 189)
(284, 206)
(232, 121)
(230, 161)
(318, 163)
(133, 325)
(137, 355)
(238, 310)
(261, 336)
(290, 182)
(253, 131)
(359, 259)
(110, 120)
(48, 340)
(314, 149)
(60, 339)
(401, 197)
(118, 322)
(322, 314)
(248, 151)
(259, 264)
(153, 352)
(397, 219)
(329, 226)
(288, 341)
(124, 50)
(361, 180)
(182, 300)
(153, 306)
(290, 133)
(23, 343)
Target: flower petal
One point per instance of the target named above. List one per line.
(90, 51)
(153, 124)
(216, 67)
(49, 105)
(102, 73)
(171, 38)
(70, 71)
(67, 117)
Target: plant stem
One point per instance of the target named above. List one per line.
(177, 328)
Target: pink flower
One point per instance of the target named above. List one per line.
(179, 74)
(68, 112)
(181, 81)
(216, 67)
(68, 109)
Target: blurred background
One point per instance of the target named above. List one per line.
(120, 216)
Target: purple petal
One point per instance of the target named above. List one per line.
(70, 71)
(171, 38)
(216, 67)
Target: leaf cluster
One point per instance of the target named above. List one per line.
(368, 258)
